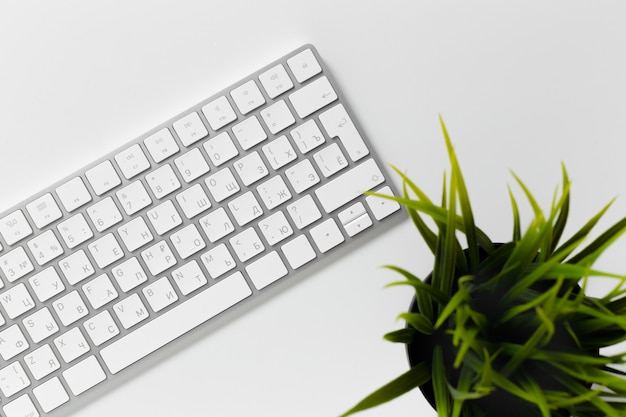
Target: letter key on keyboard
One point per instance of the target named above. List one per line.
(204, 212)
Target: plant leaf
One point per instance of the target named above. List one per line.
(445, 259)
(439, 214)
(595, 248)
(414, 377)
(584, 231)
(516, 219)
(420, 322)
(462, 295)
(440, 385)
(406, 336)
(416, 283)
(561, 220)
(464, 203)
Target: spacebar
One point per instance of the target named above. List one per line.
(175, 322)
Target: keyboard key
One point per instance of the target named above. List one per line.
(330, 160)
(16, 301)
(175, 322)
(14, 342)
(40, 325)
(191, 165)
(358, 225)
(158, 258)
(218, 261)
(349, 185)
(101, 328)
(249, 133)
(222, 184)
(99, 291)
(45, 247)
(106, 250)
(193, 201)
(164, 217)
(277, 117)
(73, 194)
(46, 284)
(307, 136)
(135, 234)
(279, 152)
(161, 145)
(133, 198)
(245, 208)
(247, 97)
(84, 375)
(70, 308)
(355, 219)
(304, 211)
(15, 227)
(274, 192)
(338, 124)
(132, 161)
(15, 264)
(189, 277)
(298, 252)
(219, 113)
(50, 394)
(266, 270)
(44, 210)
(42, 362)
(76, 267)
(190, 129)
(13, 378)
(20, 407)
(302, 176)
(103, 177)
(312, 97)
(247, 244)
(220, 149)
(104, 214)
(250, 168)
(75, 231)
(163, 181)
(217, 224)
(71, 345)
(187, 241)
(160, 294)
(130, 311)
(276, 81)
(275, 228)
(382, 207)
(327, 235)
(129, 274)
(304, 65)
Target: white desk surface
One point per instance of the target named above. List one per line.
(522, 85)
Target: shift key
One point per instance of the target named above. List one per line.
(349, 185)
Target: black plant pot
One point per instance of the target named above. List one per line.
(499, 402)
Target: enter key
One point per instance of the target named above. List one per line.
(338, 124)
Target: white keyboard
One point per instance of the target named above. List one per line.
(241, 191)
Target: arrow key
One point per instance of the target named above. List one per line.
(327, 235)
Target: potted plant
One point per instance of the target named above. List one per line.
(507, 328)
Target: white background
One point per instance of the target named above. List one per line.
(522, 85)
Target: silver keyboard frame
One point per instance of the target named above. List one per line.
(318, 264)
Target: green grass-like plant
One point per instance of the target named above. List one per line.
(509, 323)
